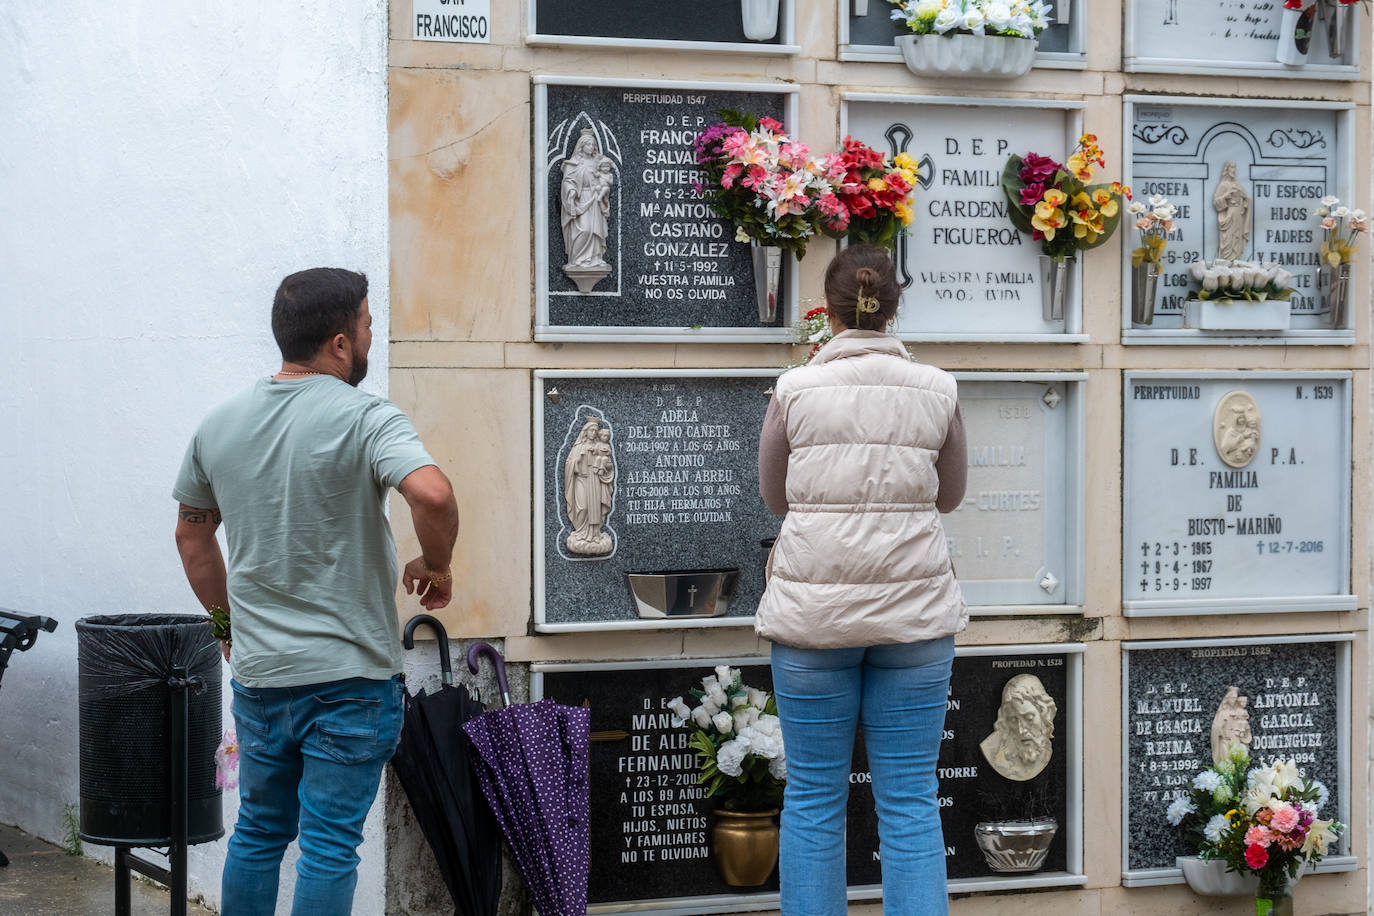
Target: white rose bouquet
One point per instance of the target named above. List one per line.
(1248, 280)
(738, 740)
(1010, 18)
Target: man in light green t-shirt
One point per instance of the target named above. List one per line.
(297, 468)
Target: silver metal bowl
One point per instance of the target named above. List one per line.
(683, 593)
(1016, 846)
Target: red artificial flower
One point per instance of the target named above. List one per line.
(1256, 856)
(770, 124)
(1031, 194)
(814, 313)
(1292, 4)
(1038, 168)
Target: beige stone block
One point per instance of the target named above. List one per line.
(1227, 626)
(723, 642)
(1074, 902)
(714, 356)
(460, 205)
(611, 645)
(428, 354)
(1105, 35)
(1102, 492)
(476, 424)
(1327, 895)
(1102, 763)
(589, 355)
(1201, 358)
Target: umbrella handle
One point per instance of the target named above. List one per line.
(497, 661)
(408, 640)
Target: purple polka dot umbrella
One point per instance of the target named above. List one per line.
(531, 763)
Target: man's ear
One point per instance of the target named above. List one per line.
(340, 345)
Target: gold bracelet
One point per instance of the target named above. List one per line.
(436, 579)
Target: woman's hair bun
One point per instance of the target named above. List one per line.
(867, 278)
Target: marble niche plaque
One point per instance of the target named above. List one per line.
(704, 24)
(614, 181)
(672, 485)
(1287, 158)
(966, 272)
(1296, 692)
(1016, 539)
(651, 822)
(868, 35)
(1236, 492)
(1233, 37)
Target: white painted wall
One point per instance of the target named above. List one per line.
(164, 165)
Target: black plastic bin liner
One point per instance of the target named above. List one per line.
(125, 664)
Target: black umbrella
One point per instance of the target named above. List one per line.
(433, 764)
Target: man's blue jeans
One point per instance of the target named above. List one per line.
(310, 760)
(899, 692)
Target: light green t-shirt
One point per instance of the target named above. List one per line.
(300, 470)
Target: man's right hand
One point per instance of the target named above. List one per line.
(417, 580)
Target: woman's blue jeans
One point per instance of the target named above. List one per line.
(899, 692)
(310, 760)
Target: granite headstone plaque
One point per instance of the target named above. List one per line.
(616, 172)
(876, 29)
(672, 462)
(1236, 492)
(1183, 35)
(1294, 689)
(1287, 160)
(964, 268)
(636, 21)
(650, 824)
(1013, 539)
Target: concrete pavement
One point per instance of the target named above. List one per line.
(42, 880)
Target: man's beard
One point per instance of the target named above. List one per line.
(359, 370)
(1025, 749)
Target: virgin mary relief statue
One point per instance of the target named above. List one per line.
(1232, 204)
(588, 486)
(584, 209)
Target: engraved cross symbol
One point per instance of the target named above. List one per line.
(692, 596)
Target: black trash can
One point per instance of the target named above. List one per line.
(129, 665)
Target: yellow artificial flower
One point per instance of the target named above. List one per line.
(1048, 219)
(877, 184)
(905, 162)
(903, 213)
(1104, 201)
(1054, 197)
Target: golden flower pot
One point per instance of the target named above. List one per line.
(744, 846)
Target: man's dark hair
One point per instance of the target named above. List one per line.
(312, 306)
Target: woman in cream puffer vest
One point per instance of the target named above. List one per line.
(862, 449)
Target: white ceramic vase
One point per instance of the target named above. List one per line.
(971, 56)
(760, 19)
(1237, 315)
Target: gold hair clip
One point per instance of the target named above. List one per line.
(867, 304)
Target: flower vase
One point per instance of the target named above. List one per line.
(969, 56)
(1054, 286)
(1337, 16)
(760, 19)
(860, 7)
(1015, 846)
(744, 846)
(1144, 280)
(1333, 288)
(1295, 36)
(1063, 11)
(1275, 897)
(767, 279)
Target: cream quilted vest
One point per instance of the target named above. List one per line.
(862, 559)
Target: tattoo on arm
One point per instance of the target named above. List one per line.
(194, 516)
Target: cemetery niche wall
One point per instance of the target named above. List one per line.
(650, 514)
(624, 247)
(1296, 692)
(651, 823)
(1242, 38)
(1017, 538)
(967, 274)
(1248, 178)
(867, 31)
(1236, 492)
(647, 509)
(705, 25)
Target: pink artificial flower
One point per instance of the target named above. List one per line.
(732, 172)
(756, 178)
(1144, 223)
(227, 761)
(1256, 856)
(1291, 841)
(1328, 223)
(1258, 836)
(1038, 168)
(1031, 194)
(1285, 819)
(770, 124)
